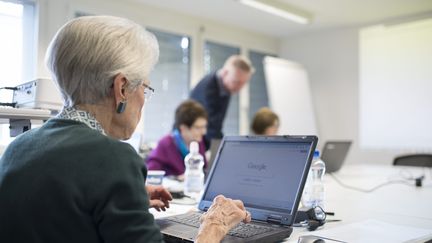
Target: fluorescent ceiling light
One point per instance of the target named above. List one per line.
(280, 10)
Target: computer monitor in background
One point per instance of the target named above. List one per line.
(334, 154)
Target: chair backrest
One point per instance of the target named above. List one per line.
(422, 160)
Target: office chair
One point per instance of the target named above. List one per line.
(421, 160)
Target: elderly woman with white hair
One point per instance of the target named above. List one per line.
(72, 180)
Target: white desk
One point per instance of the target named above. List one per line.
(395, 203)
(24, 113)
(22, 119)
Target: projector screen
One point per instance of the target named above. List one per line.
(290, 96)
(396, 86)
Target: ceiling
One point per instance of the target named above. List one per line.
(327, 14)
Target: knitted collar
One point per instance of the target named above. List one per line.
(71, 113)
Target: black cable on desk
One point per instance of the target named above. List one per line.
(371, 189)
(9, 88)
(13, 104)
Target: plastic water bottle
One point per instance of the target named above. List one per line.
(314, 193)
(194, 174)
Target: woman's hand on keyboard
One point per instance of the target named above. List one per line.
(159, 197)
(222, 216)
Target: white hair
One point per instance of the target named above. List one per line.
(88, 52)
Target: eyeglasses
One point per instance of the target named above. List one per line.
(199, 127)
(148, 91)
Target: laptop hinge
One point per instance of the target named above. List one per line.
(274, 219)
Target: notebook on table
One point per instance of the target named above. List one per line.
(267, 173)
(334, 154)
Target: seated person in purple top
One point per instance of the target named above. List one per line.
(190, 125)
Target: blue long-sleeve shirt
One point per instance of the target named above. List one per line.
(215, 98)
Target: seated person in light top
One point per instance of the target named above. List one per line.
(265, 122)
(190, 125)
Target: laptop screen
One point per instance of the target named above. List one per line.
(334, 154)
(265, 174)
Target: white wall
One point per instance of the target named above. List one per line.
(331, 59)
(54, 13)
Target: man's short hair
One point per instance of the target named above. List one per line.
(239, 62)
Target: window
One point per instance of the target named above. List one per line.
(11, 48)
(17, 48)
(214, 58)
(170, 79)
(258, 95)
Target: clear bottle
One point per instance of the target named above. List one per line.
(194, 174)
(314, 192)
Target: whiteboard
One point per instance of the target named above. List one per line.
(395, 86)
(290, 96)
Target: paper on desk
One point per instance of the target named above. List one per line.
(375, 231)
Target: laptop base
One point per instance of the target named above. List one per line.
(174, 232)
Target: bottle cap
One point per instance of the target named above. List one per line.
(193, 147)
(316, 153)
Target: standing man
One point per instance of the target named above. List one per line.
(215, 89)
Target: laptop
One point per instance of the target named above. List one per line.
(334, 154)
(267, 173)
(214, 147)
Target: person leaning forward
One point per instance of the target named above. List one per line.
(215, 89)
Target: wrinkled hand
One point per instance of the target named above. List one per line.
(159, 197)
(223, 215)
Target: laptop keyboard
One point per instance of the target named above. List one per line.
(242, 230)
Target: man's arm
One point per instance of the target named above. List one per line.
(216, 108)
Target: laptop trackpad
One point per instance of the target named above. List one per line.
(170, 228)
